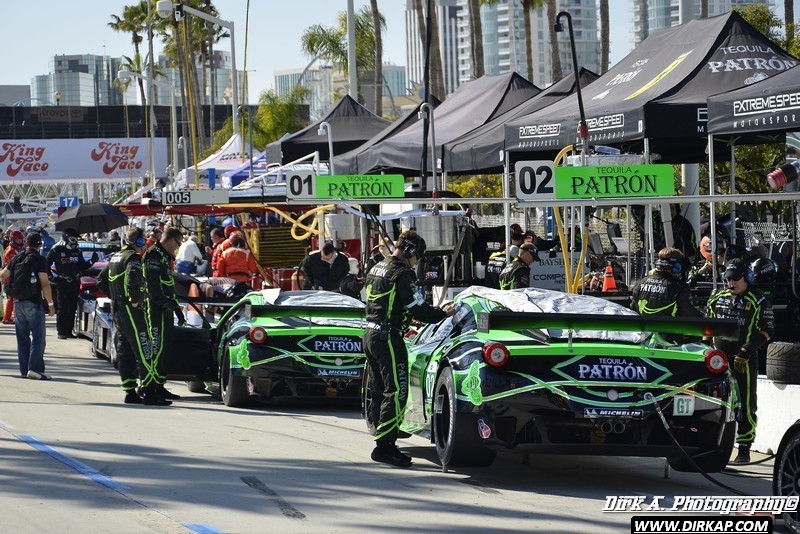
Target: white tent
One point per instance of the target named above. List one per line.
(230, 156)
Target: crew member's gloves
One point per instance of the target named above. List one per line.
(740, 362)
(95, 257)
(179, 315)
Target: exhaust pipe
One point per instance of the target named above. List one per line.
(606, 427)
(619, 427)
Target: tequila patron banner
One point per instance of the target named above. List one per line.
(82, 160)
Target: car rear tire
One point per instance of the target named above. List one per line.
(367, 400)
(196, 386)
(232, 388)
(709, 463)
(783, 362)
(786, 481)
(455, 433)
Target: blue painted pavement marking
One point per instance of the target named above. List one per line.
(202, 529)
(80, 467)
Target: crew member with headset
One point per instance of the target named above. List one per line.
(738, 300)
(69, 264)
(161, 305)
(664, 292)
(392, 299)
(497, 261)
(123, 281)
(518, 273)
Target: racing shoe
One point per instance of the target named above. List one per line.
(131, 397)
(744, 455)
(166, 394)
(152, 398)
(388, 453)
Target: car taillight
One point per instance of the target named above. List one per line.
(495, 354)
(257, 334)
(716, 361)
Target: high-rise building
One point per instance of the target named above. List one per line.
(651, 15)
(447, 18)
(222, 88)
(80, 80)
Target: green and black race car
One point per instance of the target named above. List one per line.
(532, 370)
(275, 343)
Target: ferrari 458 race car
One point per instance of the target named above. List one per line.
(277, 343)
(534, 370)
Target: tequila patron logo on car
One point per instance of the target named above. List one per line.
(612, 369)
(116, 156)
(328, 344)
(23, 159)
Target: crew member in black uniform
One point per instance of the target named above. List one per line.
(497, 261)
(756, 327)
(123, 281)
(161, 305)
(392, 299)
(325, 269)
(518, 274)
(69, 263)
(664, 292)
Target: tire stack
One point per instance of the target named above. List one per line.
(783, 362)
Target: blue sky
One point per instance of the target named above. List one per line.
(273, 38)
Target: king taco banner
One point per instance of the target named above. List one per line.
(83, 160)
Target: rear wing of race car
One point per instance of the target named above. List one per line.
(694, 326)
(328, 312)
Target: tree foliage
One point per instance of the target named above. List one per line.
(479, 186)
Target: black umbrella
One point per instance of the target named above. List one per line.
(90, 218)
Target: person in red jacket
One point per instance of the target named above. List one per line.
(222, 247)
(237, 261)
(15, 245)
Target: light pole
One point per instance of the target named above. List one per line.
(250, 136)
(126, 75)
(324, 127)
(165, 9)
(583, 129)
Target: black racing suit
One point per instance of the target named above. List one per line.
(516, 275)
(494, 267)
(123, 281)
(754, 313)
(161, 306)
(392, 298)
(663, 293)
(69, 266)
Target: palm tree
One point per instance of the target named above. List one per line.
(703, 9)
(788, 17)
(604, 37)
(436, 71)
(133, 21)
(476, 43)
(555, 53)
(378, 64)
(330, 43)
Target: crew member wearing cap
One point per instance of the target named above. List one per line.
(69, 264)
(756, 327)
(392, 299)
(497, 261)
(518, 273)
(664, 292)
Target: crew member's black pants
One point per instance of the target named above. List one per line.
(67, 305)
(132, 342)
(388, 374)
(747, 383)
(161, 323)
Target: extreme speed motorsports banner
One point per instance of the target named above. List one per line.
(84, 160)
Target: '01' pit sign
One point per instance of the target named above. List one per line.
(539, 180)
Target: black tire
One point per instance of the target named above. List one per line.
(783, 362)
(196, 386)
(232, 388)
(713, 462)
(456, 434)
(367, 399)
(786, 478)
